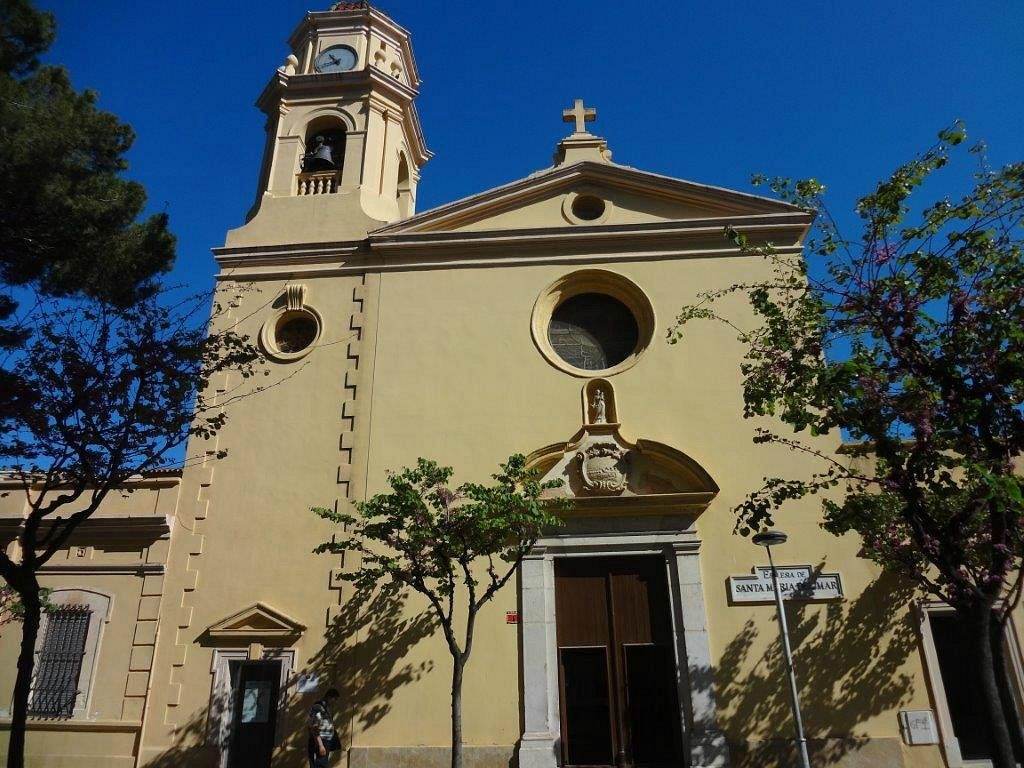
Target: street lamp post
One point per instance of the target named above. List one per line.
(768, 539)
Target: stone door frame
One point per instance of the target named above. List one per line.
(924, 610)
(539, 745)
(221, 720)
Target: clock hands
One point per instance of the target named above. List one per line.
(328, 61)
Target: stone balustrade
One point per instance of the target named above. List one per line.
(318, 183)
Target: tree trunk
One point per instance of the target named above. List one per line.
(457, 669)
(1002, 672)
(980, 625)
(28, 592)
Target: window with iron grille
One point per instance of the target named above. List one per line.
(60, 662)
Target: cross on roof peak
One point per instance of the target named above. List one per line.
(580, 115)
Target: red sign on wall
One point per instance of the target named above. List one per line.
(511, 617)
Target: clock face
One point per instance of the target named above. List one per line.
(339, 58)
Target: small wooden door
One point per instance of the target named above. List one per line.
(617, 672)
(255, 713)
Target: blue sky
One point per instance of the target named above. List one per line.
(711, 91)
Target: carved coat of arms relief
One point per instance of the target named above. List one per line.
(603, 468)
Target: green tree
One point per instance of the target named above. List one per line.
(11, 609)
(453, 546)
(103, 373)
(910, 338)
(69, 222)
(104, 394)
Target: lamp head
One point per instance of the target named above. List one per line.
(769, 538)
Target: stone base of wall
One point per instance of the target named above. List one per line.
(430, 757)
(835, 753)
(780, 753)
(75, 743)
(74, 761)
(195, 757)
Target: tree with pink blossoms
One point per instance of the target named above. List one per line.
(910, 340)
(457, 547)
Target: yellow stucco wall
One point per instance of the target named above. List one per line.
(445, 367)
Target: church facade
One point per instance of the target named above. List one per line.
(529, 318)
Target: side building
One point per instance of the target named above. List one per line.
(529, 318)
(95, 651)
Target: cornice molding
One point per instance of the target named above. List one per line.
(106, 726)
(123, 529)
(156, 480)
(701, 238)
(98, 569)
(300, 86)
(660, 504)
(771, 224)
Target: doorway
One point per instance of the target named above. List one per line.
(616, 666)
(960, 708)
(256, 685)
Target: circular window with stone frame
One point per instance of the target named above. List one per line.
(592, 323)
(291, 333)
(586, 208)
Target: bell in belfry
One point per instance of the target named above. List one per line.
(320, 157)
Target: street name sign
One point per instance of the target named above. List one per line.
(796, 582)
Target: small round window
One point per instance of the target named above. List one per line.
(588, 207)
(295, 332)
(593, 331)
(291, 333)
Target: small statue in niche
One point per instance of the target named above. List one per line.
(600, 408)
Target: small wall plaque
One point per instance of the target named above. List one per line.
(918, 726)
(307, 683)
(796, 582)
(511, 617)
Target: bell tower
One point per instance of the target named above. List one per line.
(344, 143)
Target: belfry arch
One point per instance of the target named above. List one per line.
(323, 157)
(631, 526)
(403, 190)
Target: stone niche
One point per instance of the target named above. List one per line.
(603, 470)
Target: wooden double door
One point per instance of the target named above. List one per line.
(616, 664)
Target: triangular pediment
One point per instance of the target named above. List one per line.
(257, 622)
(631, 197)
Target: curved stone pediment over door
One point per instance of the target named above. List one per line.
(629, 553)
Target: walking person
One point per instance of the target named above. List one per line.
(323, 738)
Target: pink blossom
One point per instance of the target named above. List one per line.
(924, 428)
(882, 254)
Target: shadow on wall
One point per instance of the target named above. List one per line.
(190, 748)
(361, 657)
(849, 659)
